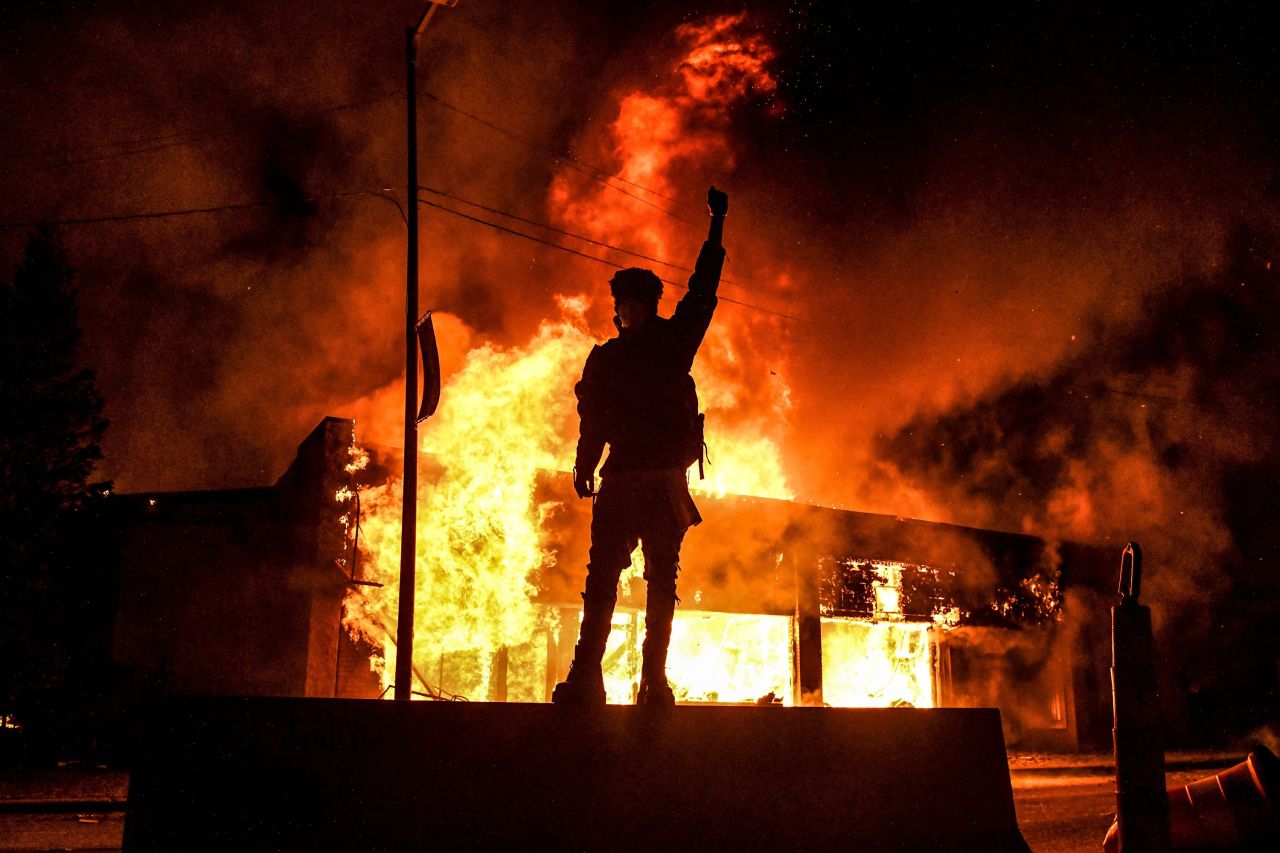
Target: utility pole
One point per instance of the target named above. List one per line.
(409, 510)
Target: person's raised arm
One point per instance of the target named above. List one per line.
(706, 271)
(693, 313)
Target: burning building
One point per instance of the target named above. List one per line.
(241, 592)
(784, 602)
(792, 604)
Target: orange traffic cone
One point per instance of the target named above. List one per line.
(1233, 810)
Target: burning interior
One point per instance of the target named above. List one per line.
(783, 603)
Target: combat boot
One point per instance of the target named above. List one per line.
(583, 686)
(654, 689)
(585, 683)
(655, 692)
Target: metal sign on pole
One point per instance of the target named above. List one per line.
(409, 509)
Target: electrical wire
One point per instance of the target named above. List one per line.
(177, 137)
(547, 149)
(556, 230)
(145, 145)
(134, 217)
(596, 173)
(589, 257)
(167, 214)
(114, 155)
(553, 228)
(248, 205)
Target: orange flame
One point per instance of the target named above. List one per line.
(505, 417)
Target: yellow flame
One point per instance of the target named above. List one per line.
(713, 657)
(359, 459)
(504, 417)
(876, 664)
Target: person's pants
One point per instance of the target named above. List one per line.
(652, 508)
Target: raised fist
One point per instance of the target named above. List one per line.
(717, 202)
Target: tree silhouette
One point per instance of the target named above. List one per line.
(51, 427)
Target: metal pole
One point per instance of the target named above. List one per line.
(1142, 806)
(409, 510)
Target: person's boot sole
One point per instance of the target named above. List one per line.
(569, 694)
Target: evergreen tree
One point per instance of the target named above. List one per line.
(51, 427)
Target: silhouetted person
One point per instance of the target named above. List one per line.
(637, 396)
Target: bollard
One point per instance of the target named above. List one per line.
(1142, 805)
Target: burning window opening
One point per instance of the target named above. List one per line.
(716, 658)
(854, 587)
(878, 664)
(729, 658)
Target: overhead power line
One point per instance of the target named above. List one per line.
(556, 230)
(552, 244)
(99, 151)
(550, 151)
(170, 214)
(552, 228)
(133, 217)
(175, 136)
(248, 205)
(95, 152)
(597, 173)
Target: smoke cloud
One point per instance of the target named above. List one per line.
(1013, 255)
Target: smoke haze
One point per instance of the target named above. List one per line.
(1014, 253)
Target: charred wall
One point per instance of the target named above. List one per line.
(238, 591)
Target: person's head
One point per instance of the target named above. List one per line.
(636, 293)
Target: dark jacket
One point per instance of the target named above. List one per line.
(636, 393)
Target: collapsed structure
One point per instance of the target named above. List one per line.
(242, 592)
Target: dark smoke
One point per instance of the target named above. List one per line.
(1160, 429)
(221, 339)
(946, 200)
(1012, 239)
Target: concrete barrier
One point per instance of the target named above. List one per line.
(319, 774)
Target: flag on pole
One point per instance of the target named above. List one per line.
(430, 368)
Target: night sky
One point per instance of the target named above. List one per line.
(1012, 244)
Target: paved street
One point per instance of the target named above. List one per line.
(58, 831)
(1064, 812)
(1069, 810)
(62, 808)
